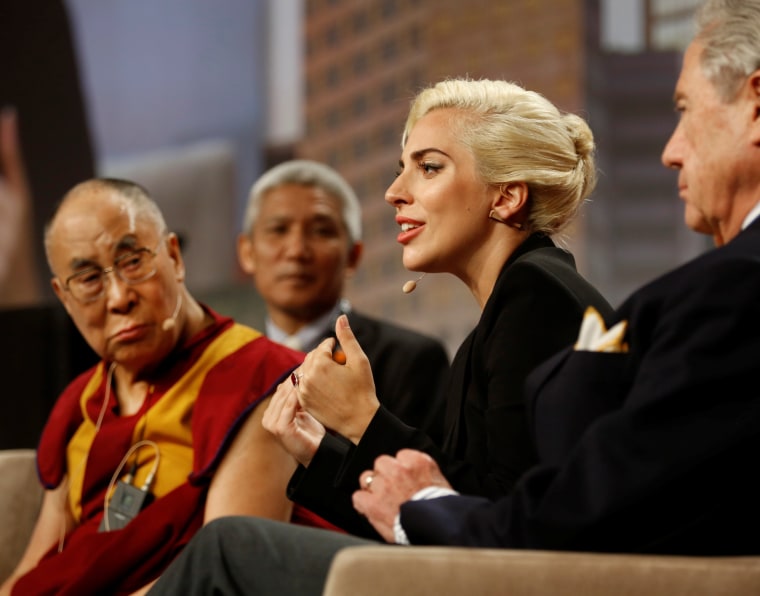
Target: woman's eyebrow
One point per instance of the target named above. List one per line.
(420, 153)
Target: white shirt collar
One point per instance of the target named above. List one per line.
(310, 335)
(751, 216)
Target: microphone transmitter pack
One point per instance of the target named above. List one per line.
(126, 503)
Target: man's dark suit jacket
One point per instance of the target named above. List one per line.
(654, 450)
(535, 308)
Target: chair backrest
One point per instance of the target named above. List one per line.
(20, 500)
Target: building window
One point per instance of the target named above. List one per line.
(390, 137)
(388, 93)
(360, 106)
(361, 63)
(415, 38)
(390, 50)
(388, 10)
(361, 22)
(332, 77)
(361, 147)
(332, 36)
(333, 118)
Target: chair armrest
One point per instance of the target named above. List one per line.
(381, 570)
(20, 501)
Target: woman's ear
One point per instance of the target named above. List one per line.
(509, 203)
(754, 90)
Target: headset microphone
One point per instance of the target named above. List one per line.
(171, 322)
(410, 286)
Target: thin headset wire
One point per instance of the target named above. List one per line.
(99, 422)
(148, 481)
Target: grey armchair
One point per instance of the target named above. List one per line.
(20, 500)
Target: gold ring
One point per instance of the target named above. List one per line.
(368, 481)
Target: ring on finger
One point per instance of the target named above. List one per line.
(296, 378)
(368, 481)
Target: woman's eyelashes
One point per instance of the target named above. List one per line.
(429, 167)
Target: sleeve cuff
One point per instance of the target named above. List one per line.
(429, 492)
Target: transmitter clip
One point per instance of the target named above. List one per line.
(127, 501)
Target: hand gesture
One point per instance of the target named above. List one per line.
(341, 396)
(298, 432)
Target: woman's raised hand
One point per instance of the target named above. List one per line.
(340, 396)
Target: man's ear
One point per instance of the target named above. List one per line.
(354, 256)
(175, 254)
(244, 250)
(60, 293)
(509, 201)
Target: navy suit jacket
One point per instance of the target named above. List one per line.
(534, 309)
(654, 450)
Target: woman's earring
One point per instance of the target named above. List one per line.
(492, 215)
(512, 224)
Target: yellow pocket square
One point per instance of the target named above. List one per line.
(595, 337)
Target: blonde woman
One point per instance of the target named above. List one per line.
(489, 174)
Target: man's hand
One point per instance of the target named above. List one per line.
(298, 432)
(341, 396)
(393, 481)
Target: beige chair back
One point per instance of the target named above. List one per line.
(20, 500)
